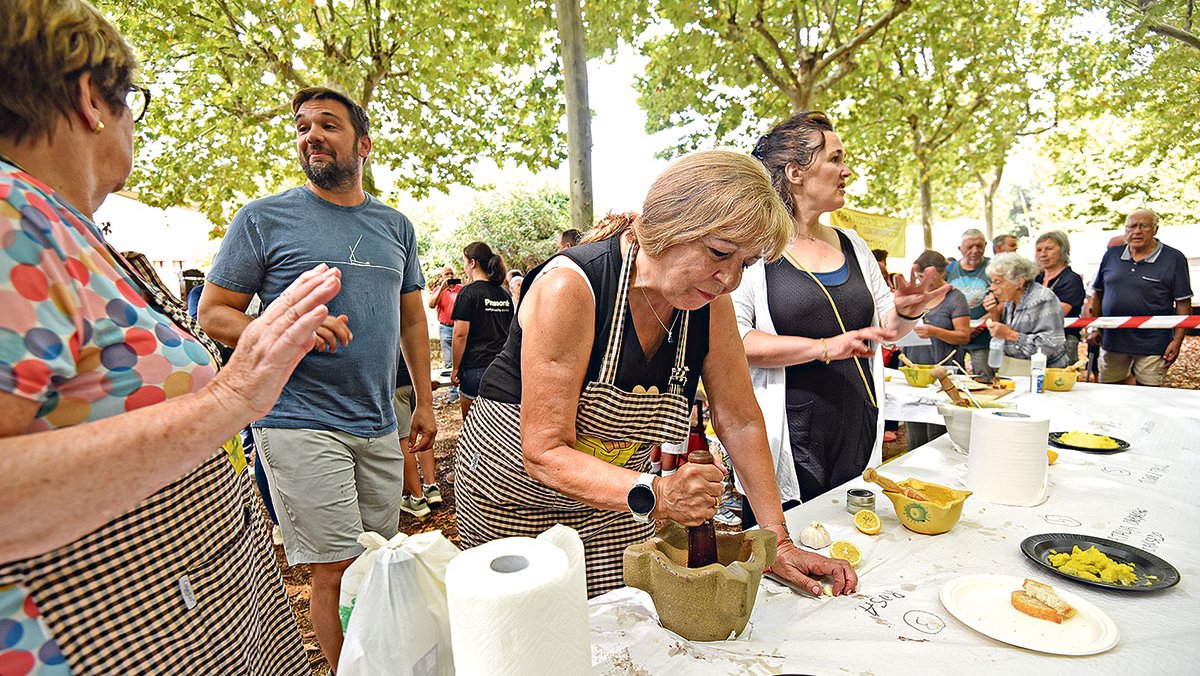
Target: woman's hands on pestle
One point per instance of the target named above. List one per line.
(800, 568)
(691, 495)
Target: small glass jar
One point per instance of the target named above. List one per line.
(858, 499)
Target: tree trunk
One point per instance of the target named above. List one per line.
(573, 46)
(924, 181)
(988, 189)
(368, 178)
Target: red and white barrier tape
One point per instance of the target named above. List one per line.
(1142, 322)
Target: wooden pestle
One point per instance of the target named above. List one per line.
(1078, 366)
(888, 485)
(702, 539)
(943, 378)
(905, 360)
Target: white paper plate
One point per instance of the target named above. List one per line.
(984, 603)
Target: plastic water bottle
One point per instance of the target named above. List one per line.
(995, 352)
(1037, 372)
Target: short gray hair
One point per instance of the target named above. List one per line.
(1153, 216)
(1012, 266)
(974, 233)
(1060, 238)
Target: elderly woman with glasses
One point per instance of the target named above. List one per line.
(130, 538)
(1025, 314)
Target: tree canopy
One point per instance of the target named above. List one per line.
(444, 82)
(522, 226)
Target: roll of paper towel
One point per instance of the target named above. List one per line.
(1007, 463)
(518, 606)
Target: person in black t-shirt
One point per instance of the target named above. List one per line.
(482, 313)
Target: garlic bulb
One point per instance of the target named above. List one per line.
(815, 536)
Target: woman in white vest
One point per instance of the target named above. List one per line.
(811, 321)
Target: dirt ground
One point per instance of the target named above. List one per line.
(1185, 374)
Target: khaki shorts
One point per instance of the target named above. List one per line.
(329, 487)
(1147, 369)
(402, 404)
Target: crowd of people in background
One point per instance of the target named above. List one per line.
(124, 406)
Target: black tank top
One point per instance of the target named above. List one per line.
(601, 262)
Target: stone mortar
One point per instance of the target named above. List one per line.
(702, 604)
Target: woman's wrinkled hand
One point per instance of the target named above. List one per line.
(273, 344)
(1002, 331)
(801, 568)
(691, 495)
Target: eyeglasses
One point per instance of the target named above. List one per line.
(137, 99)
(1139, 226)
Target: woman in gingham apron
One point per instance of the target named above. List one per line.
(130, 538)
(602, 362)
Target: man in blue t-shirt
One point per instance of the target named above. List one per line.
(969, 275)
(329, 448)
(1144, 277)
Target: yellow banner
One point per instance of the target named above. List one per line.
(881, 232)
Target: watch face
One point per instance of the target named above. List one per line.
(641, 499)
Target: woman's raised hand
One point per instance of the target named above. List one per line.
(918, 292)
(691, 495)
(273, 344)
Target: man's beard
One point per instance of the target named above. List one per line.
(331, 175)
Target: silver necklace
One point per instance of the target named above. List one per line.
(670, 337)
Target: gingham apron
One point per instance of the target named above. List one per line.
(496, 497)
(184, 583)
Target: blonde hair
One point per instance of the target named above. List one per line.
(45, 46)
(718, 193)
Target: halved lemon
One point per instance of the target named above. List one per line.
(845, 551)
(867, 521)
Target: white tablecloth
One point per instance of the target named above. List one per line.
(895, 624)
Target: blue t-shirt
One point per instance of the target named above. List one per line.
(271, 242)
(974, 286)
(1150, 286)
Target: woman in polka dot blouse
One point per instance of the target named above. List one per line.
(129, 539)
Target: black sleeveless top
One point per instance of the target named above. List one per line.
(831, 422)
(601, 262)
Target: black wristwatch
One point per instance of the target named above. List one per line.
(641, 498)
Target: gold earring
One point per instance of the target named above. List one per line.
(99, 126)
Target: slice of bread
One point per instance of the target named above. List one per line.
(1046, 594)
(1035, 608)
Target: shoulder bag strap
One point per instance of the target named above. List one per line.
(838, 315)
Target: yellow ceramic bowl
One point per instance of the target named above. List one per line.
(928, 517)
(1060, 380)
(919, 375)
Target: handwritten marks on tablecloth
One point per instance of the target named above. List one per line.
(924, 621)
(1153, 474)
(1060, 520)
(877, 602)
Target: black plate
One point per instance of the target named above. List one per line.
(1037, 548)
(1121, 445)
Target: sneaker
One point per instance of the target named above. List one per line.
(727, 517)
(418, 507)
(433, 494)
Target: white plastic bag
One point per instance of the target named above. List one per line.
(400, 624)
(355, 573)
